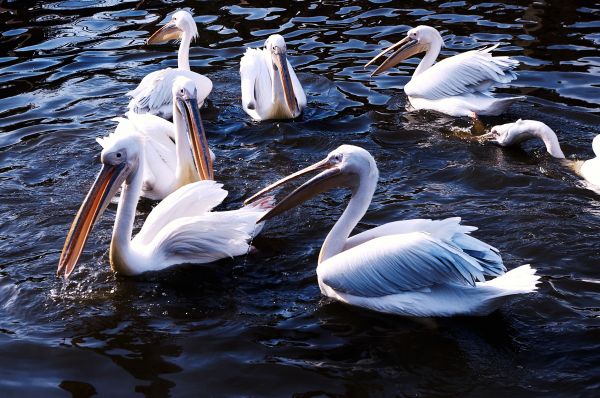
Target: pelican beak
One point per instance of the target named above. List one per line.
(331, 177)
(402, 50)
(488, 137)
(198, 142)
(167, 33)
(105, 187)
(280, 64)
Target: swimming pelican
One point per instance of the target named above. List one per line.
(522, 130)
(180, 229)
(174, 152)
(270, 88)
(414, 267)
(153, 95)
(458, 85)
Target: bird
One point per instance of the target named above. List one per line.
(522, 130)
(180, 229)
(176, 153)
(458, 85)
(153, 94)
(270, 88)
(417, 267)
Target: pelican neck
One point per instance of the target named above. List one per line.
(354, 212)
(430, 56)
(183, 55)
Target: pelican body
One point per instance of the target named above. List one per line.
(153, 94)
(458, 85)
(522, 130)
(415, 267)
(173, 151)
(180, 229)
(270, 88)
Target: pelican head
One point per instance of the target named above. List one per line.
(277, 48)
(508, 134)
(347, 166)
(120, 159)
(514, 133)
(417, 40)
(181, 23)
(184, 92)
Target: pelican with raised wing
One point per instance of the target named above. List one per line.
(414, 267)
(176, 153)
(458, 85)
(153, 94)
(522, 130)
(270, 88)
(180, 229)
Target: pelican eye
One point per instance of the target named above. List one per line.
(337, 158)
(119, 154)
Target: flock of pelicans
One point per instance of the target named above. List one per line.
(413, 267)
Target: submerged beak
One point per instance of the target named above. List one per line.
(487, 137)
(106, 185)
(402, 50)
(331, 177)
(198, 142)
(167, 33)
(280, 62)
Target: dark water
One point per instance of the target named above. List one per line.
(257, 326)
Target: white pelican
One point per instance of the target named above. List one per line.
(180, 229)
(458, 85)
(174, 152)
(270, 88)
(413, 267)
(153, 95)
(514, 133)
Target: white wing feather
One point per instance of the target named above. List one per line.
(393, 264)
(191, 200)
(448, 230)
(154, 93)
(474, 71)
(210, 236)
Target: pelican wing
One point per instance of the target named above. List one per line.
(448, 230)
(469, 72)
(210, 236)
(394, 264)
(191, 200)
(154, 93)
(255, 79)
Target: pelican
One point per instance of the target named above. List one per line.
(458, 85)
(153, 95)
(270, 88)
(174, 152)
(180, 229)
(514, 133)
(414, 267)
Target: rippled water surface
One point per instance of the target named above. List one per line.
(257, 325)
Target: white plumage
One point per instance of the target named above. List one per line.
(514, 133)
(180, 229)
(168, 160)
(153, 94)
(590, 169)
(270, 87)
(458, 85)
(415, 267)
